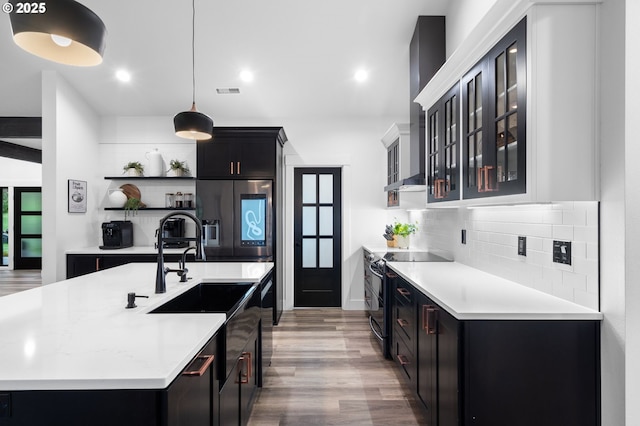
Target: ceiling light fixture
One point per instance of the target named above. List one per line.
(361, 75)
(123, 75)
(246, 76)
(62, 31)
(193, 124)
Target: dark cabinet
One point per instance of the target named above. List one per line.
(403, 320)
(81, 264)
(443, 148)
(240, 153)
(495, 372)
(239, 347)
(494, 98)
(393, 172)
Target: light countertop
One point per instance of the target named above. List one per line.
(77, 334)
(470, 294)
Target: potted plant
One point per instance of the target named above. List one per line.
(131, 206)
(402, 233)
(134, 168)
(178, 168)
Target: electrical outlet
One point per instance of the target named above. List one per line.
(5, 405)
(464, 236)
(562, 252)
(522, 246)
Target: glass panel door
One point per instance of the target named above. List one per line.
(317, 235)
(28, 228)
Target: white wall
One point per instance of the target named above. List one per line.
(492, 241)
(70, 130)
(613, 258)
(125, 139)
(632, 209)
(355, 146)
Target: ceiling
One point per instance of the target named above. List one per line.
(303, 55)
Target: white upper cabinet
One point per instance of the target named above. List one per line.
(561, 87)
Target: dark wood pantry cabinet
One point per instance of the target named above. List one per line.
(241, 153)
(494, 100)
(495, 372)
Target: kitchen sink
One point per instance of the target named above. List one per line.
(208, 297)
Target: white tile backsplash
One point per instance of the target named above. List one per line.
(492, 240)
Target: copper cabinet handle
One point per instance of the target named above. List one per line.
(97, 263)
(430, 319)
(402, 322)
(484, 179)
(230, 167)
(402, 359)
(237, 167)
(440, 188)
(245, 374)
(208, 359)
(403, 291)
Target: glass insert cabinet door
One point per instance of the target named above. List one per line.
(494, 120)
(317, 234)
(443, 147)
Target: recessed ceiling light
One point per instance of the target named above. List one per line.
(123, 75)
(361, 75)
(246, 76)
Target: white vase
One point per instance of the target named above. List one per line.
(133, 172)
(175, 172)
(117, 198)
(403, 242)
(156, 163)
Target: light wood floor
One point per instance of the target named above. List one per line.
(15, 281)
(327, 369)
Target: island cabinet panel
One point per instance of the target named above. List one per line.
(496, 372)
(81, 264)
(190, 400)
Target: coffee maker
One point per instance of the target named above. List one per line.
(117, 234)
(174, 228)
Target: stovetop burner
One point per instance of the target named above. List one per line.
(413, 256)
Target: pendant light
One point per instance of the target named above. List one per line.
(193, 124)
(62, 31)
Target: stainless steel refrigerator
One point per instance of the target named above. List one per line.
(238, 219)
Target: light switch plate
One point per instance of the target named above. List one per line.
(522, 246)
(562, 252)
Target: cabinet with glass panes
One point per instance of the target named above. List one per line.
(494, 120)
(443, 148)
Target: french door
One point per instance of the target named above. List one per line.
(318, 237)
(27, 237)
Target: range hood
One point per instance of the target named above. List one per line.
(427, 54)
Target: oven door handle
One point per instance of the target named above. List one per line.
(377, 274)
(374, 330)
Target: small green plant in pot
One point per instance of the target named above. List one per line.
(134, 168)
(402, 233)
(131, 207)
(178, 168)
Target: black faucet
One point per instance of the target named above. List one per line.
(161, 284)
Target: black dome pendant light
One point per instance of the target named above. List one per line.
(193, 124)
(62, 31)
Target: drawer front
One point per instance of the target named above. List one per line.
(403, 356)
(404, 320)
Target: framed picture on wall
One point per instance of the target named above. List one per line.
(77, 196)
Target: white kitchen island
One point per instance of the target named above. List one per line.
(77, 335)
